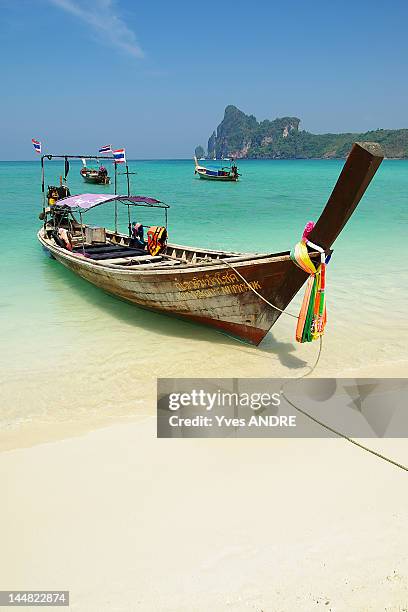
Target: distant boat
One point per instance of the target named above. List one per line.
(96, 176)
(216, 174)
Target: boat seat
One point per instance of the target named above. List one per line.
(76, 241)
(98, 248)
(144, 259)
(171, 263)
(115, 254)
(108, 251)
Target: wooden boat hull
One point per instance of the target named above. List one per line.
(208, 177)
(205, 174)
(212, 295)
(95, 178)
(95, 181)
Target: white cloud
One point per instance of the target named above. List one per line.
(101, 16)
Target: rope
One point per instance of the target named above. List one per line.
(344, 436)
(289, 314)
(311, 370)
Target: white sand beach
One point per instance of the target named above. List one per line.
(95, 504)
(127, 522)
(120, 266)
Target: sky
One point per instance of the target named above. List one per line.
(155, 76)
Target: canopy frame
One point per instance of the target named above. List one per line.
(128, 200)
(49, 157)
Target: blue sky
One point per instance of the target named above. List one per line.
(155, 76)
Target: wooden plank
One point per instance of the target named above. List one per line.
(168, 264)
(138, 260)
(360, 167)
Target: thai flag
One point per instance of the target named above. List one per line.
(120, 156)
(36, 145)
(105, 149)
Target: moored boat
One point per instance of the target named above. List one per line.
(217, 174)
(224, 289)
(95, 176)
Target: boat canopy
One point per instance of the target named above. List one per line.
(86, 201)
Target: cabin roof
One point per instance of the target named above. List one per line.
(86, 201)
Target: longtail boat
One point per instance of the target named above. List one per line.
(96, 176)
(224, 173)
(197, 284)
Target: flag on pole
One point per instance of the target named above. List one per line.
(106, 149)
(120, 156)
(36, 145)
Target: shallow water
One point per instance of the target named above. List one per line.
(69, 351)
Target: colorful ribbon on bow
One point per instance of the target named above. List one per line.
(312, 317)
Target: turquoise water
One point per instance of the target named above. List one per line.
(91, 350)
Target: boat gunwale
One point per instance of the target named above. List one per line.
(203, 174)
(252, 259)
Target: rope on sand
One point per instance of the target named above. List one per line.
(311, 370)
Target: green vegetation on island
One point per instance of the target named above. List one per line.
(242, 136)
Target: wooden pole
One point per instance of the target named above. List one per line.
(360, 167)
(43, 181)
(128, 182)
(82, 233)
